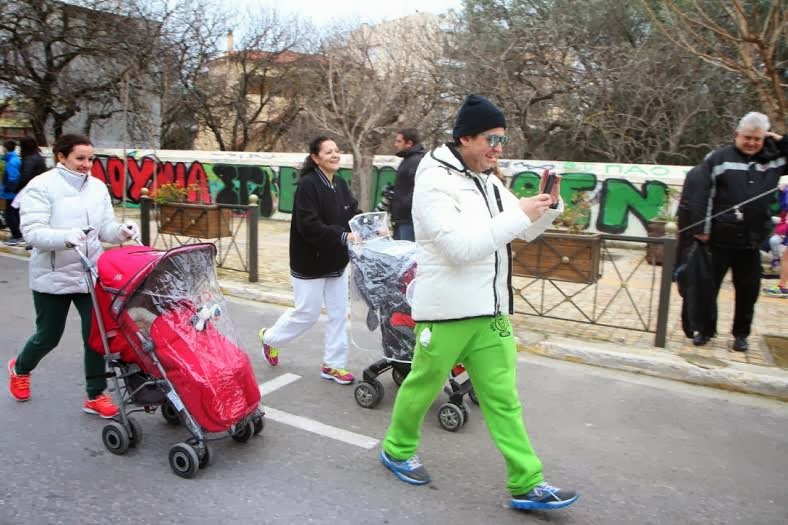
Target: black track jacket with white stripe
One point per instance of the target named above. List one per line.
(723, 181)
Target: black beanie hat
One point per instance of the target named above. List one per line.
(477, 114)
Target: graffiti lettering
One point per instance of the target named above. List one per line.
(150, 174)
(620, 192)
(621, 197)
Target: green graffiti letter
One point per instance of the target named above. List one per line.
(619, 197)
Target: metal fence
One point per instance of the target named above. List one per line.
(233, 228)
(627, 288)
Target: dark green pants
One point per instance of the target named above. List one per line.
(51, 316)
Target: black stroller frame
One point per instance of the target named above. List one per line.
(384, 297)
(137, 391)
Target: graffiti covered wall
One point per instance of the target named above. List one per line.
(624, 197)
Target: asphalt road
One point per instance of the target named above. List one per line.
(640, 450)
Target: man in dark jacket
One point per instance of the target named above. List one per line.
(728, 200)
(408, 146)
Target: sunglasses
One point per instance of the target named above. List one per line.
(494, 140)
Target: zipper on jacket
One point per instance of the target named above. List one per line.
(508, 252)
(87, 244)
(52, 260)
(497, 259)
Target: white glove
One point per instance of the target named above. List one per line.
(127, 232)
(783, 182)
(74, 237)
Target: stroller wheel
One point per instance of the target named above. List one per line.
(472, 395)
(243, 433)
(259, 423)
(368, 394)
(398, 375)
(184, 460)
(115, 438)
(170, 414)
(202, 449)
(466, 413)
(136, 431)
(450, 417)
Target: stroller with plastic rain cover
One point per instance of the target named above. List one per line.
(382, 270)
(161, 322)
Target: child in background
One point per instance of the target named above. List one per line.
(779, 243)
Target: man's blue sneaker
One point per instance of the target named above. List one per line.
(543, 496)
(410, 471)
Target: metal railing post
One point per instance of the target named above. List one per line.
(663, 309)
(145, 207)
(252, 224)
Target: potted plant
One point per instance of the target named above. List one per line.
(177, 216)
(565, 254)
(656, 227)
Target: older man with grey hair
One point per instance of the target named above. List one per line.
(728, 200)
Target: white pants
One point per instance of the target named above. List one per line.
(776, 245)
(309, 296)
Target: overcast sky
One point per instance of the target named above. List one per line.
(324, 12)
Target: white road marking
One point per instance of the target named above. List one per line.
(310, 425)
(322, 429)
(277, 383)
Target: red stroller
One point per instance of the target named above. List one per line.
(160, 320)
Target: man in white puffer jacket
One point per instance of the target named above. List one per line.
(57, 209)
(465, 220)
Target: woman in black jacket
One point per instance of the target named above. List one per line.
(319, 234)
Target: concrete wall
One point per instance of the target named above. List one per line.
(626, 196)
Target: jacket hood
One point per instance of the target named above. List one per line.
(415, 149)
(445, 156)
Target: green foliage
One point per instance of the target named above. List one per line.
(576, 215)
(174, 193)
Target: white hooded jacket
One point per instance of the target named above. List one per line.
(54, 203)
(464, 224)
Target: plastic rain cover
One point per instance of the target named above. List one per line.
(178, 313)
(380, 271)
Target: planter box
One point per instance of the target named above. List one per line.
(205, 221)
(559, 256)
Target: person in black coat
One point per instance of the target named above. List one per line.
(407, 144)
(319, 234)
(727, 203)
(33, 163)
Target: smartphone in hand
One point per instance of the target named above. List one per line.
(548, 187)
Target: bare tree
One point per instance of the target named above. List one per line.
(248, 97)
(746, 37)
(190, 41)
(591, 80)
(62, 60)
(374, 79)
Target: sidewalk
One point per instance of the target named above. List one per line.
(715, 364)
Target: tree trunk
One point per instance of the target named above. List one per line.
(38, 120)
(361, 184)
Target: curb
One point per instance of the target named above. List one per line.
(734, 377)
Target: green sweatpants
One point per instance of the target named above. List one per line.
(51, 316)
(486, 347)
